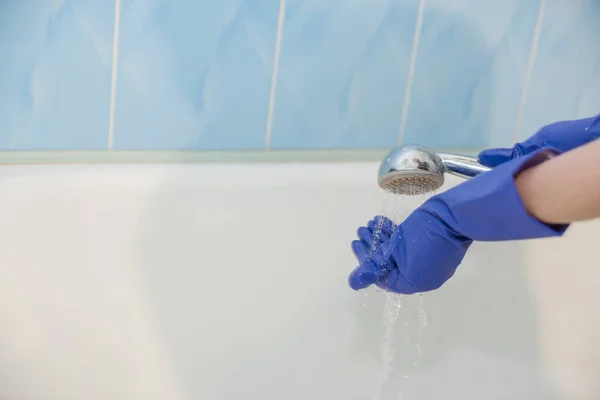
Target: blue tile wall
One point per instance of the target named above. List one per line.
(194, 74)
(342, 73)
(469, 73)
(565, 82)
(55, 71)
(292, 74)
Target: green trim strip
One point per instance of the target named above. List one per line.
(168, 156)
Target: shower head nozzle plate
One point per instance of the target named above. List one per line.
(411, 170)
(411, 183)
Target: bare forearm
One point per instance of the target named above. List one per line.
(564, 189)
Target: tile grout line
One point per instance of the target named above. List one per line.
(411, 71)
(113, 75)
(274, 74)
(529, 71)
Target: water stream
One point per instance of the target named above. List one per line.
(390, 355)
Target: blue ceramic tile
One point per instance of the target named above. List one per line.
(470, 70)
(565, 82)
(342, 73)
(55, 80)
(194, 74)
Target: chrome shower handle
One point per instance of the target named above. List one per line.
(462, 166)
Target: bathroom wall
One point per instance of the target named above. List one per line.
(292, 74)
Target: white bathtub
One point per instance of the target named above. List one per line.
(227, 282)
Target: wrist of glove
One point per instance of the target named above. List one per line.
(424, 251)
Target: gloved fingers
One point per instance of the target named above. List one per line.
(364, 252)
(494, 157)
(366, 236)
(364, 275)
(360, 250)
(384, 225)
(562, 136)
(371, 239)
(394, 282)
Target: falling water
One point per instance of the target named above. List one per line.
(391, 314)
(421, 314)
(376, 235)
(391, 311)
(422, 326)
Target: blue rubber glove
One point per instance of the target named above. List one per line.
(563, 136)
(424, 251)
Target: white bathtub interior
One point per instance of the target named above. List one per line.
(229, 281)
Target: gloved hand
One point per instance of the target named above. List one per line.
(563, 136)
(424, 251)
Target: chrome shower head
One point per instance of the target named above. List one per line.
(413, 170)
